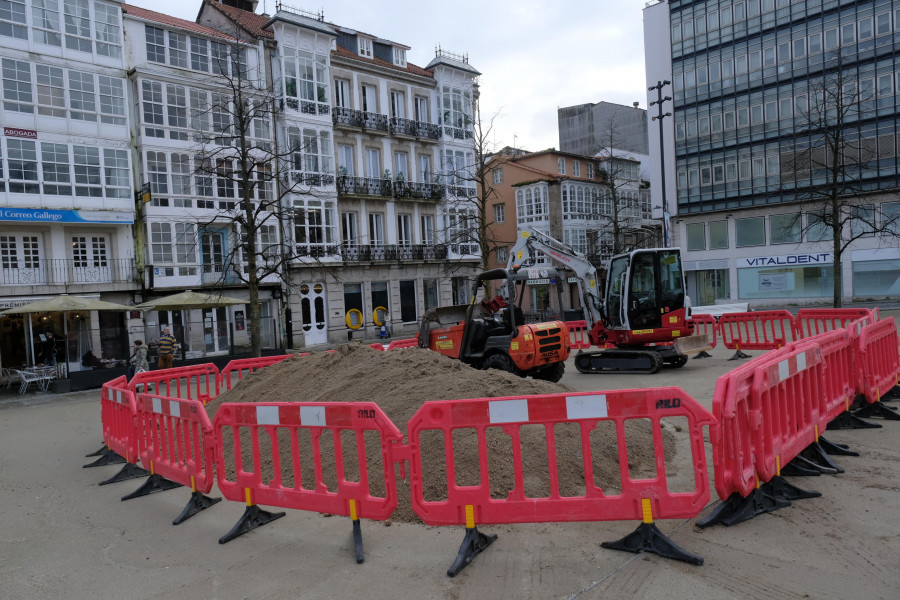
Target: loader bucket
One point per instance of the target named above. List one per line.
(693, 344)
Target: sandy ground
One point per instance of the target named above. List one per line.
(63, 536)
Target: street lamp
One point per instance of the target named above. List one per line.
(662, 155)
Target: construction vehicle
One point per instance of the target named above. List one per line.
(645, 313)
(491, 334)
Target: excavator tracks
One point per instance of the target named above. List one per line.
(619, 361)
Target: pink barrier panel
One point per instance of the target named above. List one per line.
(879, 358)
(200, 382)
(377, 346)
(813, 321)
(706, 325)
(578, 335)
(839, 387)
(408, 343)
(177, 440)
(330, 457)
(117, 414)
(245, 366)
(760, 330)
(478, 501)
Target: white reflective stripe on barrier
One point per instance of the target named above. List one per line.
(509, 411)
(267, 415)
(313, 416)
(586, 407)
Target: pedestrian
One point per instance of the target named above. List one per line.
(139, 360)
(49, 350)
(166, 348)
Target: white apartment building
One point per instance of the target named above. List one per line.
(66, 202)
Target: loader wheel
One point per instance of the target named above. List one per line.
(553, 373)
(502, 362)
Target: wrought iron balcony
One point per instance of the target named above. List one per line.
(417, 129)
(388, 253)
(346, 117)
(67, 271)
(457, 133)
(387, 188)
(313, 179)
(306, 107)
(375, 122)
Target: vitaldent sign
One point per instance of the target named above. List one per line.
(41, 215)
(787, 260)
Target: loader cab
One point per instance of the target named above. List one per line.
(642, 286)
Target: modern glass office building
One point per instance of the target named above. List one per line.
(744, 148)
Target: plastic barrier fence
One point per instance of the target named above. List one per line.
(708, 326)
(408, 343)
(200, 382)
(569, 496)
(761, 330)
(117, 409)
(840, 380)
(245, 366)
(578, 335)
(377, 346)
(176, 443)
(879, 358)
(813, 321)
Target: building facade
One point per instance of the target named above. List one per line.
(66, 200)
(587, 128)
(744, 156)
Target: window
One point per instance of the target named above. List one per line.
(848, 34)
(718, 235)
(750, 232)
(153, 107)
(421, 106)
(23, 168)
(882, 24)
(408, 313)
(45, 20)
(224, 178)
(398, 104)
(106, 29)
(784, 229)
(590, 170)
(399, 57)
(89, 252)
(561, 165)
(502, 255)
(729, 122)
(78, 25)
(831, 39)
(404, 230)
(866, 29)
(376, 229)
(342, 93)
(401, 166)
(814, 43)
(817, 228)
(365, 47)
(345, 160)
(112, 100)
(12, 12)
(576, 168)
(178, 52)
(51, 91)
(117, 183)
(696, 236)
(81, 96)
(799, 49)
(176, 106)
(367, 98)
(17, 94)
(497, 176)
(88, 181)
(199, 55)
(499, 213)
(55, 168)
(157, 173)
(349, 230)
(862, 220)
(161, 243)
(219, 54)
(428, 237)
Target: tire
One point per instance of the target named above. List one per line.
(500, 361)
(678, 362)
(552, 373)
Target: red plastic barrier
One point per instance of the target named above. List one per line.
(409, 343)
(176, 440)
(760, 330)
(200, 382)
(639, 498)
(117, 414)
(245, 366)
(298, 437)
(840, 383)
(377, 346)
(706, 325)
(813, 321)
(578, 335)
(879, 358)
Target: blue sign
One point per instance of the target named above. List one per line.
(43, 215)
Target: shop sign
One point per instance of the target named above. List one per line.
(43, 215)
(787, 260)
(28, 134)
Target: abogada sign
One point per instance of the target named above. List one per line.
(787, 260)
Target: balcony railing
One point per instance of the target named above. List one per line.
(312, 179)
(375, 252)
(349, 117)
(307, 107)
(417, 129)
(387, 188)
(375, 122)
(66, 271)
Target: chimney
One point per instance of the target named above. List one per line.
(636, 104)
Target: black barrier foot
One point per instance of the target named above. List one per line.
(103, 450)
(252, 518)
(155, 483)
(648, 538)
(836, 449)
(738, 355)
(781, 489)
(817, 455)
(357, 542)
(472, 545)
(703, 354)
(738, 509)
(129, 471)
(801, 466)
(878, 409)
(108, 458)
(847, 420)
(197, 503)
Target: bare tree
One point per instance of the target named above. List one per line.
(832, 166)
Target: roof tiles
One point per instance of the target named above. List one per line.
(163, 19)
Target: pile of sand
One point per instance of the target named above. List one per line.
(400, 381)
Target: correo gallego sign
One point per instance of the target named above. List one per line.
(43, 215)
(787, 260)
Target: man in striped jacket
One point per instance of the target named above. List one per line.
(167, 345)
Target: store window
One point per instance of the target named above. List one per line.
(785, 282)
(876, 278)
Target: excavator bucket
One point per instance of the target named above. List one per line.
(693, 344)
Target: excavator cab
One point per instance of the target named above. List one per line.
(643, 287)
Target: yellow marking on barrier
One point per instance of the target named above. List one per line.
(877, 395)
(247, 497)
(152, 471)
(847, 402)
(193, 484)
(353, 510)
(817, 433)
(777, 467)
(647, 509)
(757, 482)
(470, 516)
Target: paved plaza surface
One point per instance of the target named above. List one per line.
(63, 536)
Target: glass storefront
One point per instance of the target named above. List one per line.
(785, 282)
(876, 278)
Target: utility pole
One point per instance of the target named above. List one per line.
(662, 154)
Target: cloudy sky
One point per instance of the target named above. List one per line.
(534, 55)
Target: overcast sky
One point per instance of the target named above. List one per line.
(534, 55)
